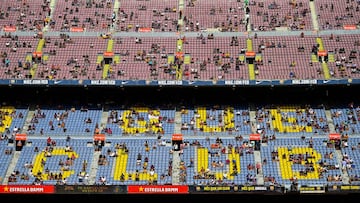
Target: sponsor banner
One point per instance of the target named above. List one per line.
(350, 27)
(37, 54)
(255, 137)
(76, 29)
(334, 136)
(100, 137)
(250, 54)
(233, 82)
(343, 189)
(282, 28)
(322, 53)
(27, 189)
(287, 82)
(312, 189)
(350, 188)
(199, 83)
(236, 188)
(337, 82)
(177, 137)
(212, 30)
(64, 82)
(145, 29)
(101, 82)
(264, 82)
(215, 188)
(333, 188)
(131, 82)
(170, 82)
(5, 82)
(21, 136)
(304, 82)
(162, 189)
(8, 28)
(177, 82)
(90, 189)
(36, 82)
(108, 54)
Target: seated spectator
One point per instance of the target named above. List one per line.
(68, 148)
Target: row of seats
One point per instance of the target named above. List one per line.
(290, 120)
(162, 16)
(199, 58)
(308, 161)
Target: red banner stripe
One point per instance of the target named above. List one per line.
(27, 189)
(168, 189)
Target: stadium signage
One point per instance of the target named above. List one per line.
(148, 189)
(27, 189)
(237, 82)
(65, 82)
(91, 189)
(102, 82)
(36, 82)
(235, 188)
(305, 82)
(170, 82)
(350, 187)
(247, 188)
(217, 188)
(314, 189)
(260, 188)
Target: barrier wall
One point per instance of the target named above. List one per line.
(173, 189)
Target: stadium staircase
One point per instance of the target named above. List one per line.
(246, 16)
(107, 67)
(94, 168)
(12, 166)
(104, 119)
(253, 121)
(344, 174)
(251, 67)
(16, 155)
(339, 154)
(52, 7)
(39, 48)
(181, 20)
(314, 16)
(176, 168)
(176, 154)
(323, 63)
(260, 175)
(177, 121)
(28, 120)
(257, 155)
(94, 164)
(179, 45)
(115, 10)
(330, 121)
